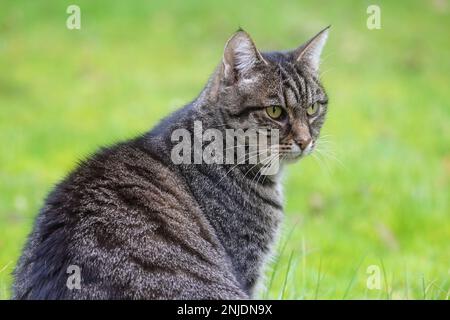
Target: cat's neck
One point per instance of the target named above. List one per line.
(245, 213)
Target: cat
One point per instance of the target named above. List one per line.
(137, 226)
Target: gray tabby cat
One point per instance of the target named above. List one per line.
(139, 226)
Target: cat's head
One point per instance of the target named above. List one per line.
(274, 90)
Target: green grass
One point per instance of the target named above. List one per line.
(378, 195)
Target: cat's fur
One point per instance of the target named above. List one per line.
(141, 227)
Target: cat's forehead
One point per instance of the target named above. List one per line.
(292, 83)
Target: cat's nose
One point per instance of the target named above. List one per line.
(303, 142)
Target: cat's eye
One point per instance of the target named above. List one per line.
(312, 109)
(275, 112)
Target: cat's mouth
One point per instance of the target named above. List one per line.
(295, 153)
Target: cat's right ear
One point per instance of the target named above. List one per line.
(240, 57)
(309, 53)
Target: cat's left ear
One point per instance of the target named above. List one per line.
(309, 53)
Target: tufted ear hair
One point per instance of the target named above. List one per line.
(309, 52)
(240, 57)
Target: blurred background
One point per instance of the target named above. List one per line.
(374, 202)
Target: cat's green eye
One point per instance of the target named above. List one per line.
(312, 109)
(275, 112)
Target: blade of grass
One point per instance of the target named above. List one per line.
(423, 288)
(386, 283)
(303, 266)
(316, 294)
(353, 277)
(406, 283)
(286, 276)
(277, 261)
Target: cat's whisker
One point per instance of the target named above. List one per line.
(321, 163)
(253, 167)
(326, 152)
(239, 162)
(329, 156)
(325, 148)
(251, 182)
(280, 159)
(258, 175)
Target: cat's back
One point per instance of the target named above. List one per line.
(128, 221)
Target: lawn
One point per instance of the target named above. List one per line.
(374, 199)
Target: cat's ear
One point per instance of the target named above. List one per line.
(240, 57)
(309, 53)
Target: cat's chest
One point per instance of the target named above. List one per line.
(253, 214)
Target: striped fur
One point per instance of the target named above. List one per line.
(141, 227)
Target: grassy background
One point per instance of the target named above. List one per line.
(379, 193)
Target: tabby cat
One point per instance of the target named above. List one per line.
(138, 226)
